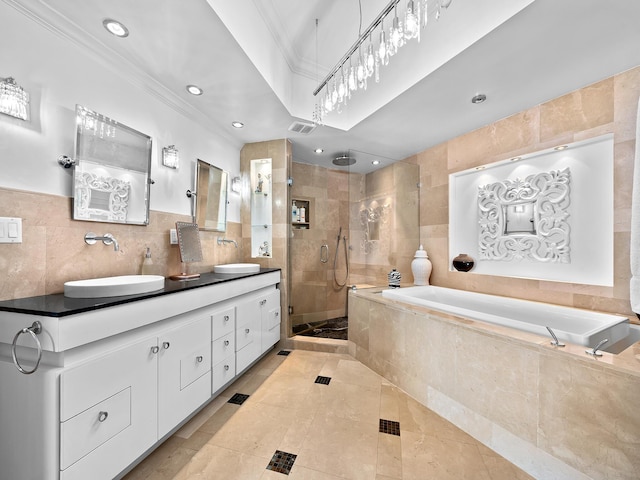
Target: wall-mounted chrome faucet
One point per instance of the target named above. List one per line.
(222, 241)
(108, 239)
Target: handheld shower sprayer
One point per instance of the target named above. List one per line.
(346, 259)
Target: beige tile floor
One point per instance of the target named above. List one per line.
(332, 429)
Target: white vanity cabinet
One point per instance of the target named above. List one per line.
(114, 407)
(116, 380)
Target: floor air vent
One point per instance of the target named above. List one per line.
(302, 127)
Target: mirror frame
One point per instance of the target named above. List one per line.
(204, 214)
(111, 177)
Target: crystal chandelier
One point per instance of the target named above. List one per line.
(14, 100)
(371, 52)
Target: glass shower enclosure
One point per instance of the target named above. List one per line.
(347, 229)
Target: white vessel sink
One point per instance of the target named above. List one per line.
(113, 286)
(237, 268)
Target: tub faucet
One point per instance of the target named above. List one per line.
(222, 240)
(595, 352)
(108, 239)
(555, 342)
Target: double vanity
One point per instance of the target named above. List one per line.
(118, 374)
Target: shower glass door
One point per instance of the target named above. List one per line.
(320, 211)
(347, 228)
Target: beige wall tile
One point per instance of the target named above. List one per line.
(580, 110)
(499, 380)
(493, 142)
(626, 92)
(588, 417)
(53, 249)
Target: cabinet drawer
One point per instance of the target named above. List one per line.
(245, 334)
(223, 322)
(195, 364)
(270, 337)
(223, 372)
(223, 347)
(247, 356)
(88, 430)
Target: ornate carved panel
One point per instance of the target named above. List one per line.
(526, 219)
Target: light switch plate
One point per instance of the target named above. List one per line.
(10, 230)
(173, 236)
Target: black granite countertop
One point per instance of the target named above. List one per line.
(57, 305)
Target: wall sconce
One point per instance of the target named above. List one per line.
(14, 101)
(170, 157)
(236, 185)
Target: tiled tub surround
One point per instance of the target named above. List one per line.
(556, 413)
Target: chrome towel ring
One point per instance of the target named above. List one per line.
(33, 330)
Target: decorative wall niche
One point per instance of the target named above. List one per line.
(261, 208)
(547, 215)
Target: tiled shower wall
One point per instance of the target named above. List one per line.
(609, 106)
(53, 250)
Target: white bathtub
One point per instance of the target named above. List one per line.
(573, 325)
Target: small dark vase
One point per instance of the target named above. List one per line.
(463, 262)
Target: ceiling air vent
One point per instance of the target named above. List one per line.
(302, 127)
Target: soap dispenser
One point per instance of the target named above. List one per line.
(147, 263)
(421, 267)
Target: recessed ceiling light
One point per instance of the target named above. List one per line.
(375, 162)
(561, 147)
(479, 98)
(115, 27)
(319, 150)
(194, 90)
(237, 124)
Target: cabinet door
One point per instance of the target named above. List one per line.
(108, 412)
(248, 332)
(184, 372)
(270, 315)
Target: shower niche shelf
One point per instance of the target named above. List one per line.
(261, 208)
(302, 223)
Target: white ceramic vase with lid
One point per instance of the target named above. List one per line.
(421, 267)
